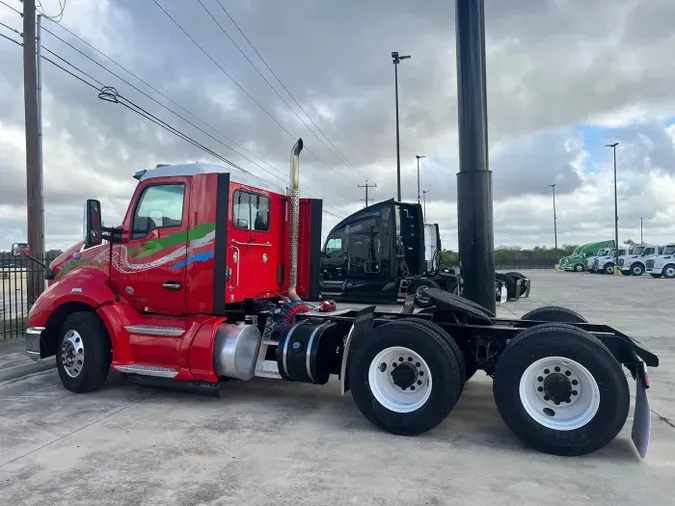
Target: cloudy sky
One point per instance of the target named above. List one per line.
(565, 77)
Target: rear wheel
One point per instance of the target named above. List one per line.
(560, 390)
(400, 376)
(554, 314)
(84, 353)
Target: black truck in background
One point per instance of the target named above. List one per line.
(384, 252)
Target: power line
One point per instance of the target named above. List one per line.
(180, 134)
(12, 8)
(11, 39)
(239, 85)
(12, 29)
(62, 5)
(161, 94)
(222, 29)
(344, 158)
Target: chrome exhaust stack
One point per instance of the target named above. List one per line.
(294, 194)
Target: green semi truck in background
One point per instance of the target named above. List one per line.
(577, 260)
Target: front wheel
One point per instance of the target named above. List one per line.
(579, 268)
(608, 269)
(84, 353)
(560, 390)
(669, 271)
(637, 269)
(403, 378)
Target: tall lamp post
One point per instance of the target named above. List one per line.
(641, 241)
(424, 205)
(396, 60)
(418, 175)
(555, 222)
(616, 207)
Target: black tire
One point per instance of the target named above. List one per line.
(637, 269)
(443, 334)
(516, 275)
(608, 268)
(579, 268)
(553, 314)
(443, 368)
(669, 271)
(550, 340)
(421, 300)
(520, 276)
(511, 283)
(97, 353)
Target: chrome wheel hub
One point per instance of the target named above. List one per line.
(72, 353)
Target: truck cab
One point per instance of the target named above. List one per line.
(635, 263)
(606, 263)
(591, 261)
(663, 265)
(577, 262)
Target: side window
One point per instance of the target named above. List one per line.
(648, 251)
(334, 245)
(250, 211)
(160, 206)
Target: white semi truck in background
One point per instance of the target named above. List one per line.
(635, 263)
(607, 263)
(663, 264)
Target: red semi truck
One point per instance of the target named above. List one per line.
(205, 280)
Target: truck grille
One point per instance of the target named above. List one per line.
(650, 264)
(620, 262)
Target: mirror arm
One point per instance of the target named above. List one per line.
(112, 234)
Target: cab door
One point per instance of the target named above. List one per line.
(255, 243)
(148, 267)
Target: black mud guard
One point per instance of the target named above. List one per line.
(363, 321)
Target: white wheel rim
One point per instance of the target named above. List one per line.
(392, 396)
(559, 375)
(670, 271)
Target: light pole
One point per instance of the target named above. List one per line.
(424, 206)
(396, 60)
(418, 175)
(641, 241)
(555, 222)
(616, 207)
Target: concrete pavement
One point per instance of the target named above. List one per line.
(268, 442)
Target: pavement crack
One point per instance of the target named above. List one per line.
(108, 415)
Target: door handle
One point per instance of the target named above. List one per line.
(171, 285)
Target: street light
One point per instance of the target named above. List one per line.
(418, 175)
(424, 208)
(616, 207)
(396, 60)
(555, 222)
(641, 241)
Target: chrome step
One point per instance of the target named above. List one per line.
(154, 330)
(267, 369)
(148, 370)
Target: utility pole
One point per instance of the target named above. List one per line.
(616, 207)
(366, 186)
(396, 60)
(418, 175)
(641, 241)
(474, 179)
(555, 222)
(34, 201)
(424, 200)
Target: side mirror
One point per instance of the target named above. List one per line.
(93, 226)
(20, 249)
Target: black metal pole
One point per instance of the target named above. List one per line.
(641, 241)
(398, 145)
(474, 179)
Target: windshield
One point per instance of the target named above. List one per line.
(602, 252)
(669, 250)
(638, 250)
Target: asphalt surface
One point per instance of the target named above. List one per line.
(269, 442)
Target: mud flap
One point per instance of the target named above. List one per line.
(642, 418)
(362, 322)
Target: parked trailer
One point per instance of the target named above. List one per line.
(384, 252)
(190, 296)
(663, 265)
